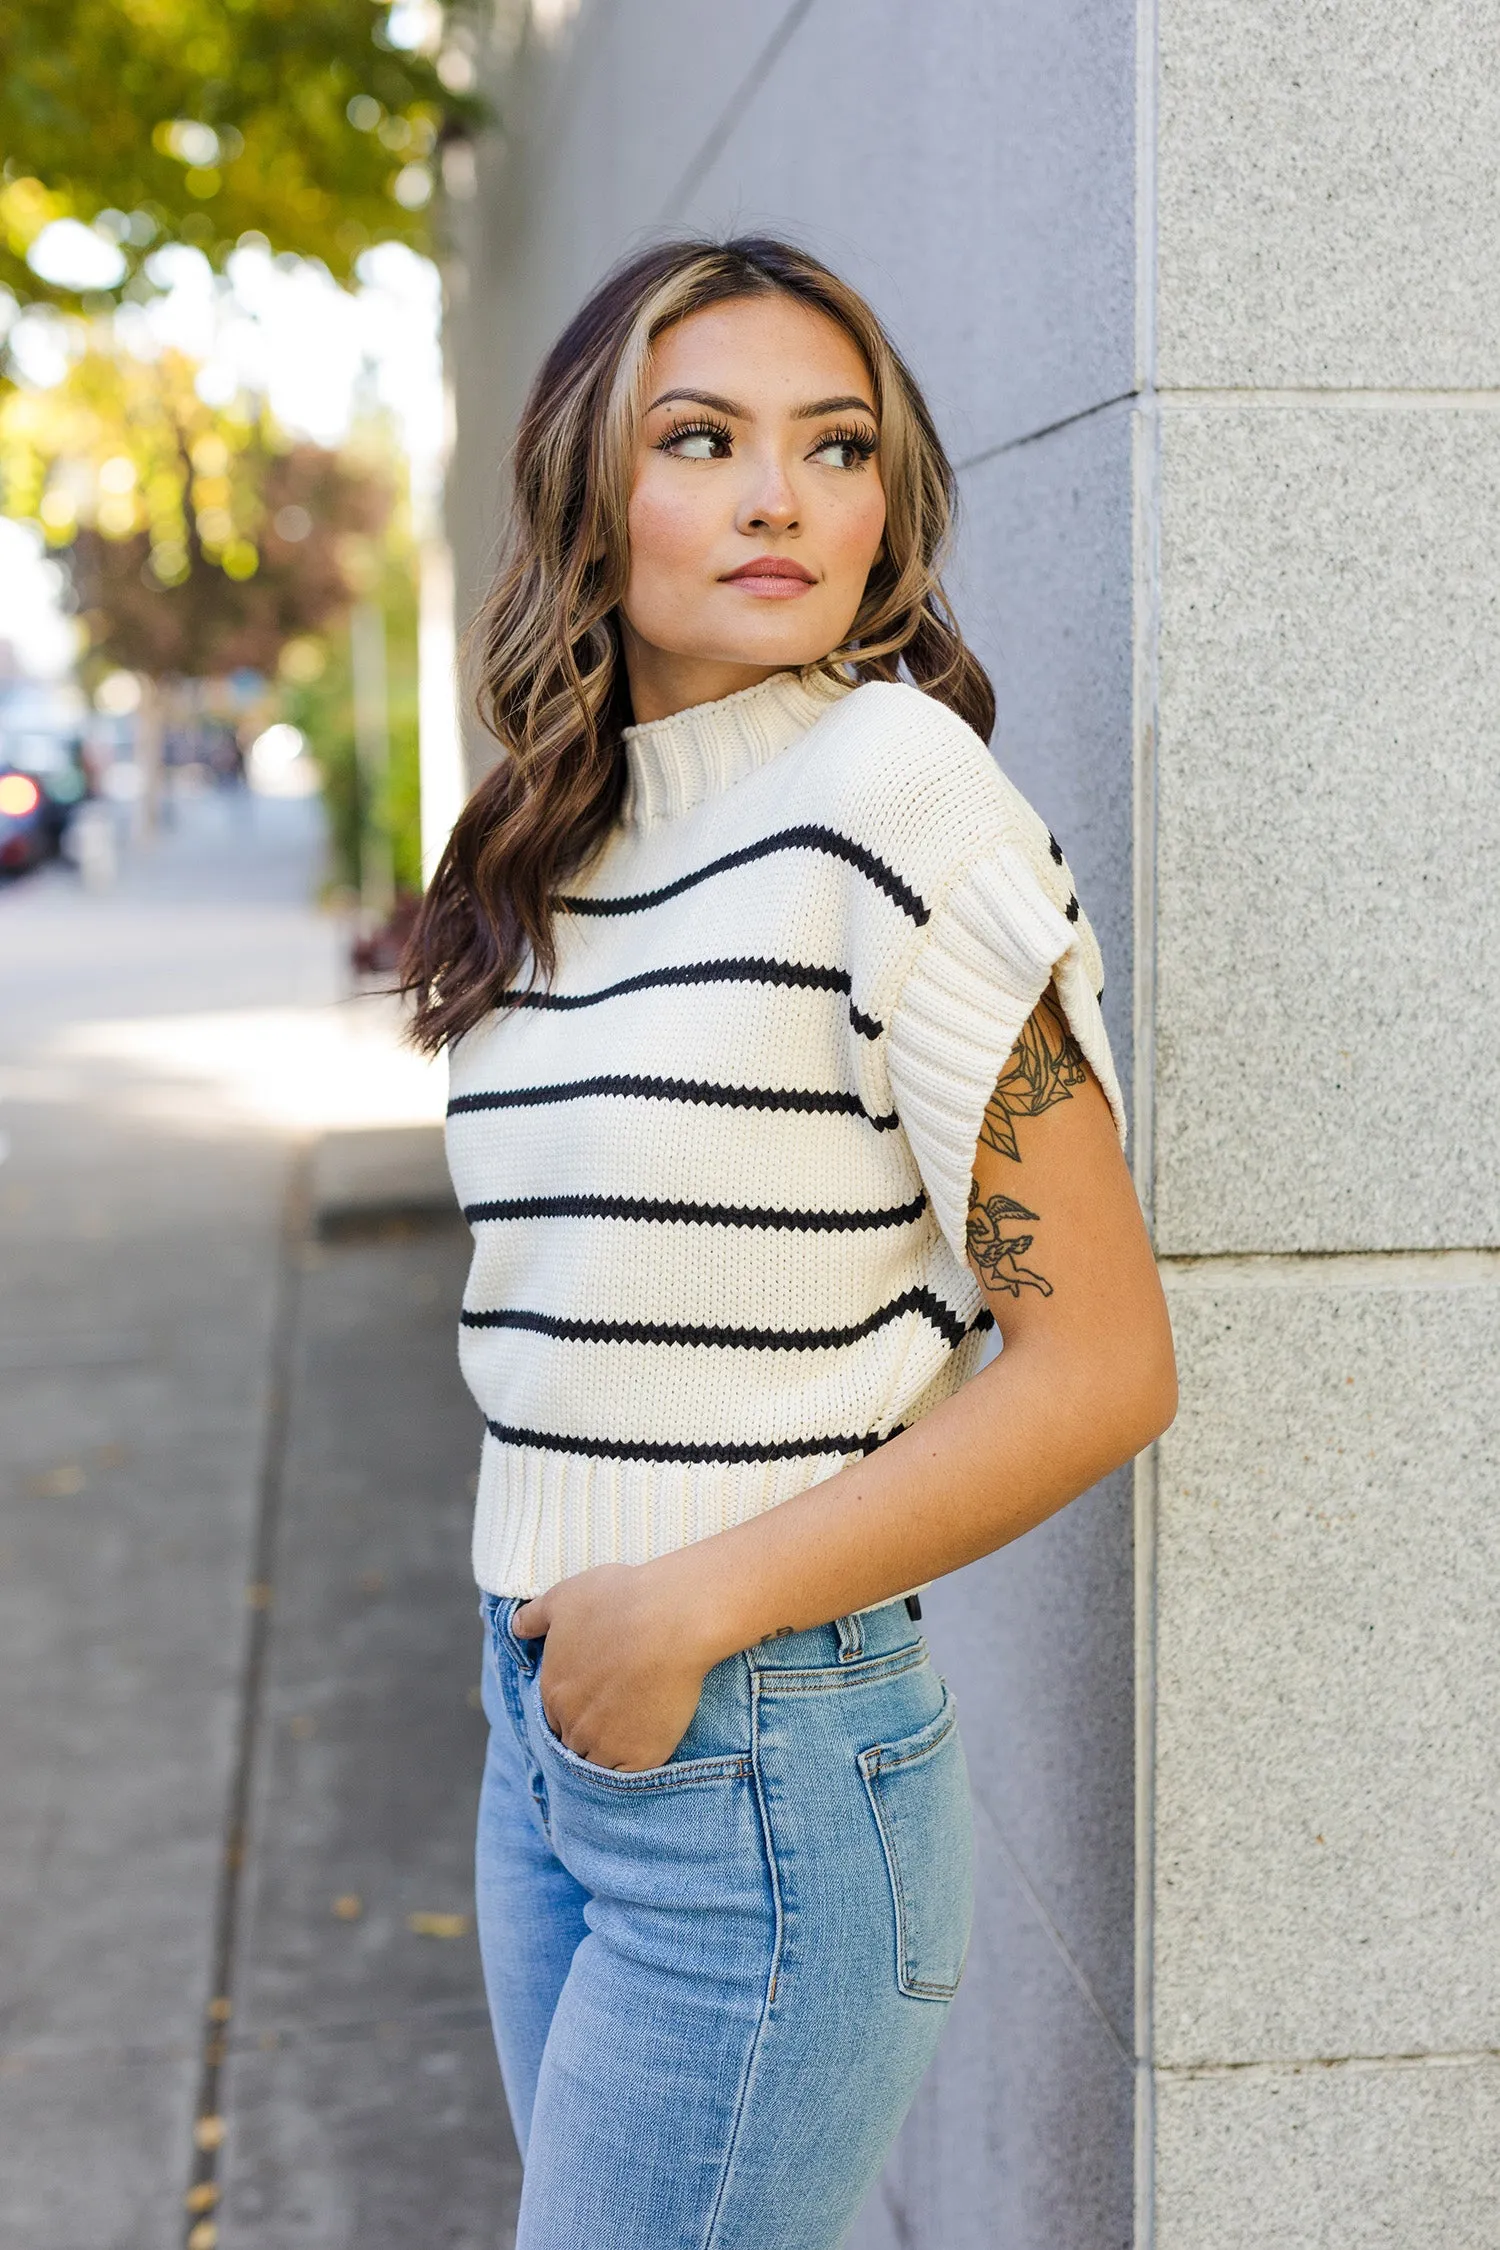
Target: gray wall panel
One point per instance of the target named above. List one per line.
(1330, 200)
(1042, 585)
(1329, 829)
(1037, 1644)
(970, 166)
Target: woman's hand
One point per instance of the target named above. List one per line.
(622, 1670)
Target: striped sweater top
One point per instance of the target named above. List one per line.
(717, 1171)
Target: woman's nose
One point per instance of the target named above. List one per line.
(770, 504)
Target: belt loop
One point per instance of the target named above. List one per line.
(851, 1638)
(519, 1649)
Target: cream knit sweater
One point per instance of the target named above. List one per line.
(718, 1171)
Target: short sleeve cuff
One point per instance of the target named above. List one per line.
(994, 944)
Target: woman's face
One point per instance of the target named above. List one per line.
(757, 508)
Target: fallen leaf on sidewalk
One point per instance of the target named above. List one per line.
(204, 2236)
(203, 2197)
(438, 1925)
(208, 2132)
(349, 1906)
(59, 1483)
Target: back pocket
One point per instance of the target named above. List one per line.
(919, 1793)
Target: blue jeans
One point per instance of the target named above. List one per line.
(716, 1984)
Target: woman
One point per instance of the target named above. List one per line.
(778, 1077)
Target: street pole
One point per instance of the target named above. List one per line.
(372, 751)
(440, 747)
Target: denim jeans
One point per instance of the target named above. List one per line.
(715, 1984)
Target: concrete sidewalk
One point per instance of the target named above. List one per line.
(238, 1753)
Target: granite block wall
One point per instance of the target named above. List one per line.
(1319, 1934)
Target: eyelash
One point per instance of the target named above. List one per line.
(861, 442)
(704, 426)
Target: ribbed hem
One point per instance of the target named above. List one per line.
(544, 1516)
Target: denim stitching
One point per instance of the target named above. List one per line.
(830, 1681)
(884, 1758)
(889, 1757)
(766, 2005)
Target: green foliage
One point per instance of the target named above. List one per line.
(202, 120)
(199, 539)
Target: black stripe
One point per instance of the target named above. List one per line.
(692, 1214)
(786, 840)
(807, 1102)
(923, 1301)
(642, 1449)
(798, 975)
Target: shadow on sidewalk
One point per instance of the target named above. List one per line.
(358, 2087)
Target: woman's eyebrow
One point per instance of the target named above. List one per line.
(701, 398)
(812, 413)
(822, 406)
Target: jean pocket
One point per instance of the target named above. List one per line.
(679, 1773)
(919, 1793)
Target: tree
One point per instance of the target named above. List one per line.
(199, 539)
(213, 620)
(203, 120)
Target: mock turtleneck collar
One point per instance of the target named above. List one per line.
(677, 763)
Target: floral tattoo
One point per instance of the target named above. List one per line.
(1044, 1067)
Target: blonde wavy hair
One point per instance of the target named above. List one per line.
(551, 683)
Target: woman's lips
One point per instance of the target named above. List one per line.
(773, 575)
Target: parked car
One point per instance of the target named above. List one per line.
(27, 830)
(43, 777)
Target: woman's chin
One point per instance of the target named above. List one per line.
(775, 643)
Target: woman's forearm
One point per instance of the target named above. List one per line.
(1027, 1435)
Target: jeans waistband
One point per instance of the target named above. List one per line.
(868, 1632)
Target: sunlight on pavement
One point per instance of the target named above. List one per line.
(335, 1068)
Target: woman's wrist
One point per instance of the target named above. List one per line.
(705, 1601)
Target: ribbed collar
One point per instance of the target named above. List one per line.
(677, 763)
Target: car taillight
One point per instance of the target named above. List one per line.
(19, 795)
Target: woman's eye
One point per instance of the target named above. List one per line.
(845, 452)
(698, 445)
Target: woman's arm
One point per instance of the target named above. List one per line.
(1086, 1379)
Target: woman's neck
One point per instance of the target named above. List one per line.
(662, 684)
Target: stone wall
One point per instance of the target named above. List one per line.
(1327, 1163)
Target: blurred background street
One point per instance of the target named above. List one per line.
(233, 1577)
